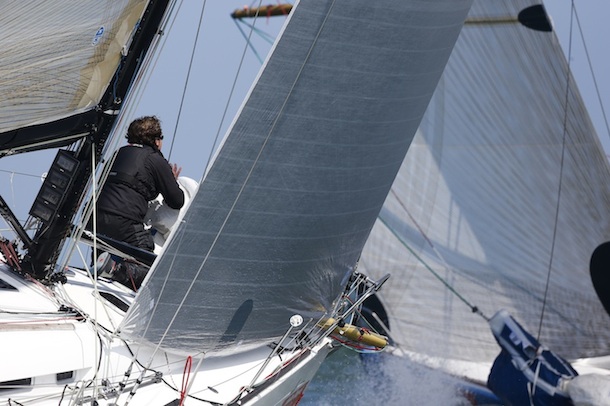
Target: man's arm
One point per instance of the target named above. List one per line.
(173, 196)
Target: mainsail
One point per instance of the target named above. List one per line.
(282, 214)
(52, 68)
(504, 195)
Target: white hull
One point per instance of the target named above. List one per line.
(48, 355)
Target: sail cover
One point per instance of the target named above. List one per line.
(282, 215)
(496, 195)
(57, 59)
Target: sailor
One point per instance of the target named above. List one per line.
(139, 173)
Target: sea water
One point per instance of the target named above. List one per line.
(346, 378)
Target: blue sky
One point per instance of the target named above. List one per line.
(215, 70)
(224, 45)
(593, 16)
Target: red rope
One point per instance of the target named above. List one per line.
(10, 255)
(185, 378)
(130, 275)
(351, 344)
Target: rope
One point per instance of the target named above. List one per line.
(421, 231)
(19, 173)
(472, 307)
(133, 282)
(265, 36)
(248, 42)
(227, 104)
(561, 170)
(186, 81)
(599, 98)
(10, 256)
(531, 386)
(185, 378)
(12, 185)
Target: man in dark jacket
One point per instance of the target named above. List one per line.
(139, 173)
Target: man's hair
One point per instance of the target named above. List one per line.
(144, 130)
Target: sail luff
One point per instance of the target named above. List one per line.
(281, 217)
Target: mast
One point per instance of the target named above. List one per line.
(95, 127)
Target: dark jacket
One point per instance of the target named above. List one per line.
(139, 173)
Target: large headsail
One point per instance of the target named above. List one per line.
(503, 189)
(283, 213)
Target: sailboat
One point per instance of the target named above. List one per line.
(498, 206)
(255, 280)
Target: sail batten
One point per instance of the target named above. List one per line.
(290, 199)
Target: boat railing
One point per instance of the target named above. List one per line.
(336, 326)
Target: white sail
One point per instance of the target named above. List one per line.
(504, 194)
(281, 217)
(52, 68)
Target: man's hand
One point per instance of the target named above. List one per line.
(176, 170)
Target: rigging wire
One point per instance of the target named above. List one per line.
(261, 33)
(230, 98)
(472, 307)
(561, 174)
(12, 173)
(264, 35)
(599, 98)
(12, 184)
(186, 81)
(185, 379)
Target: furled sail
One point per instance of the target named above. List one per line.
(282, 215)
(504, 194)
(52, 68)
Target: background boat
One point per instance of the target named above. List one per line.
(459, 240)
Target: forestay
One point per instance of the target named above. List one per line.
(281, 217)
(496, 196)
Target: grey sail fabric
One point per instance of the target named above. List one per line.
(282, 215)
(57, 61)
(496, 196)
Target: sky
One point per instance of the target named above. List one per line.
(593, 16)
(194, 118)
(217, 71)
